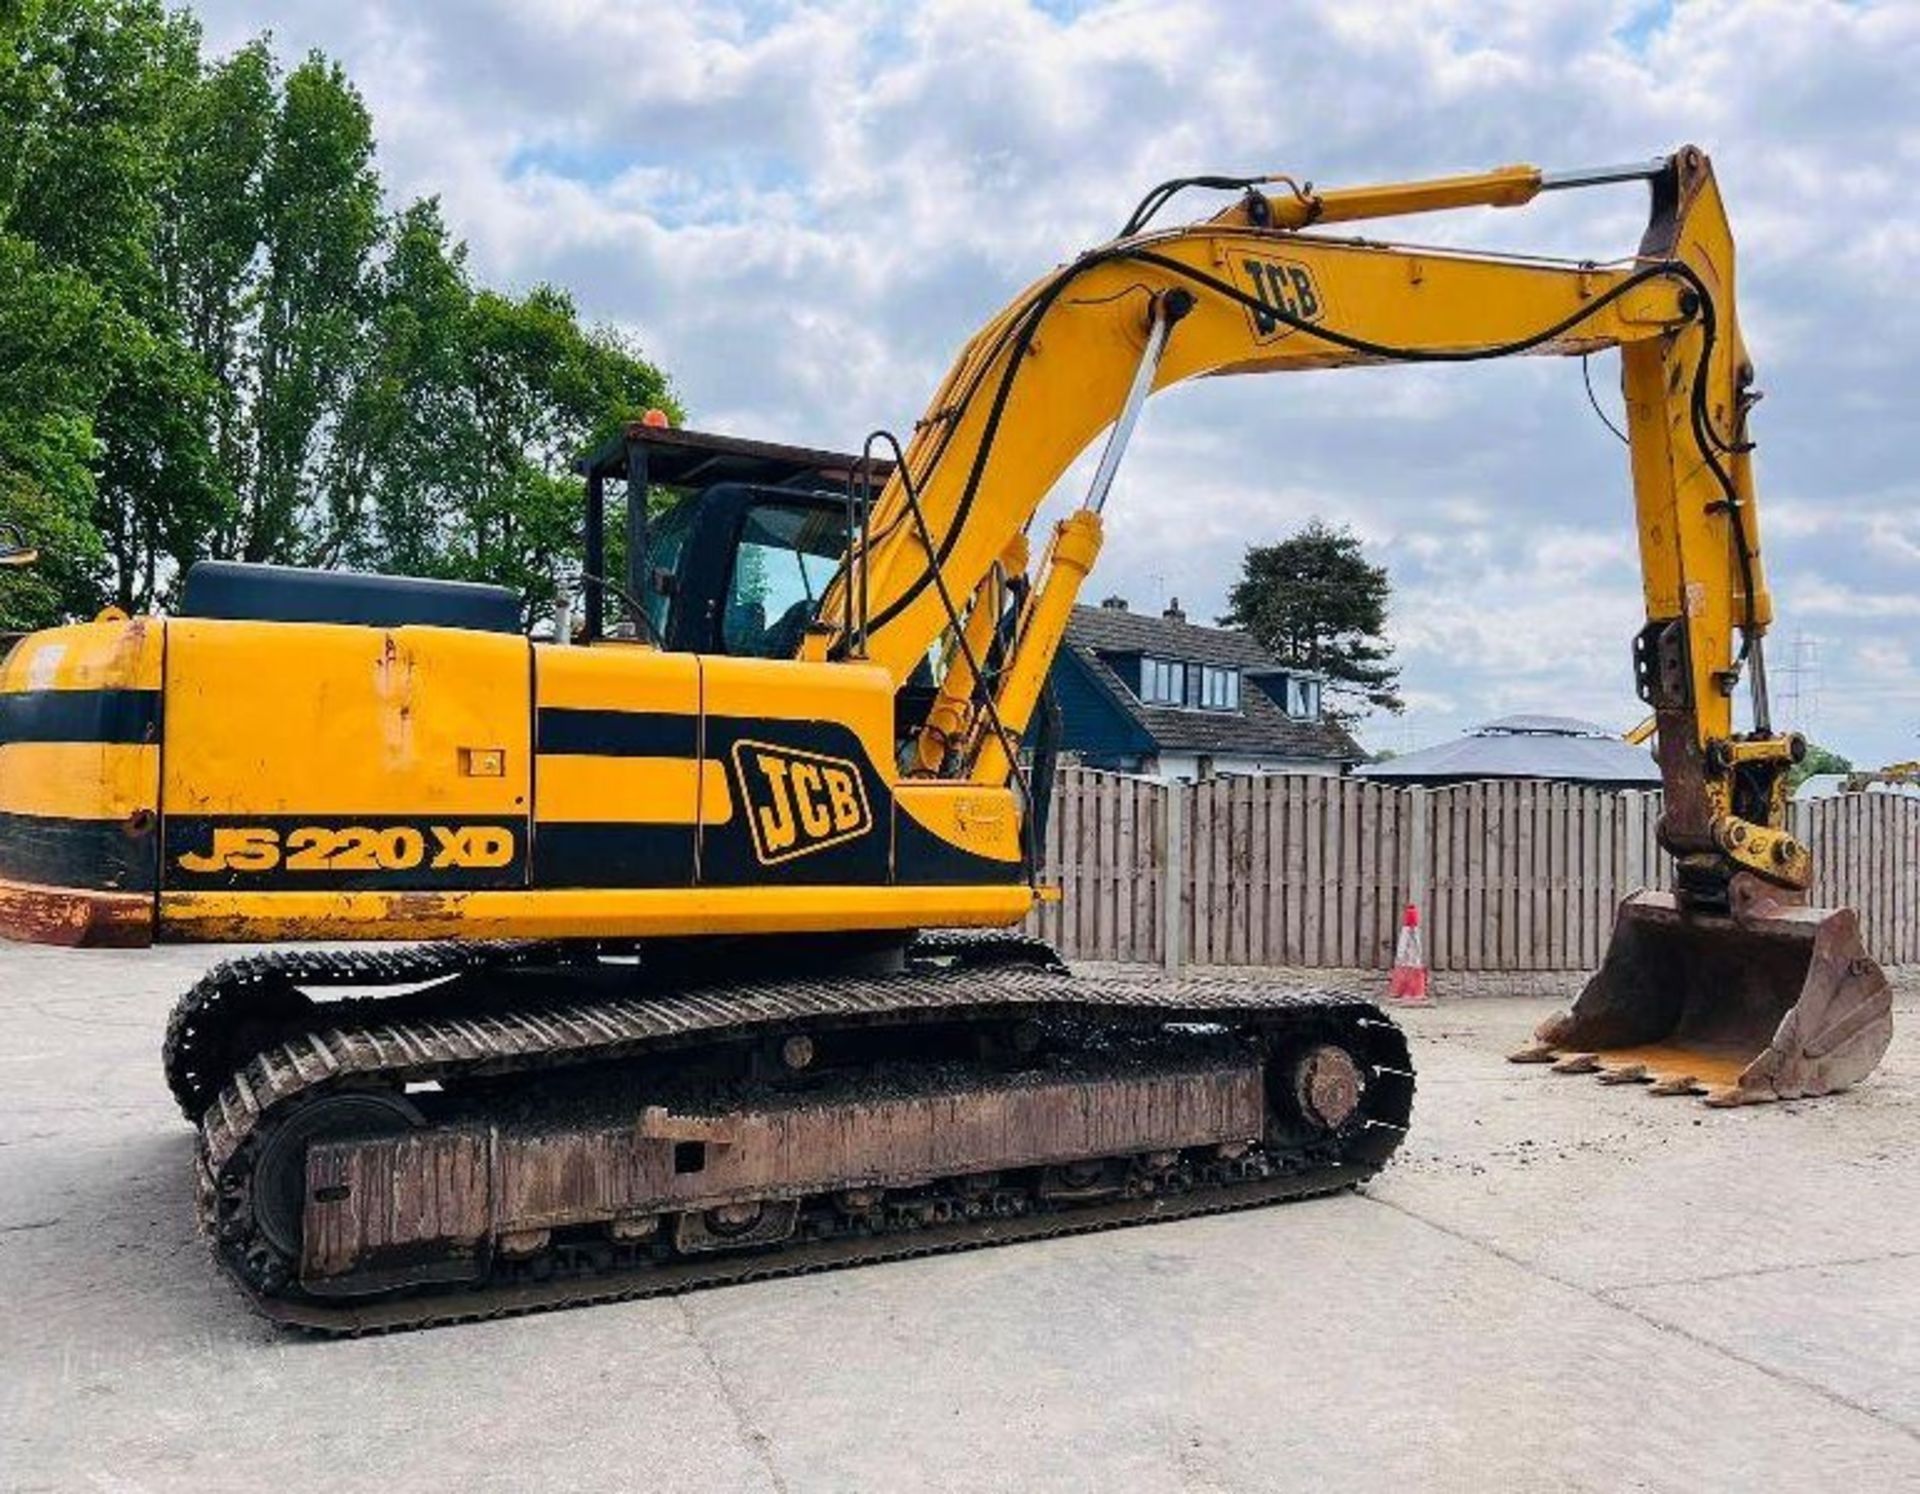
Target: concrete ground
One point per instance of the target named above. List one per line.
(1557, 1286)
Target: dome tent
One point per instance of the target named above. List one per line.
(1556, 748)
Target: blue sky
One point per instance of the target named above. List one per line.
(802, 211)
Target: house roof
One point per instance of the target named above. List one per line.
(1260, 728)
(1554, 747)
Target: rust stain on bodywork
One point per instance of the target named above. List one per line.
(394, 691)
(75, 917)
(397, 915)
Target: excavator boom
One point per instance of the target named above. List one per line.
(1248, 291)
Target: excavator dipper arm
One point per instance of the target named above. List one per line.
(1249, 291)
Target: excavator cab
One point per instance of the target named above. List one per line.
(737, 561)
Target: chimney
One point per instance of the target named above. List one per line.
(1173, 614)
(1115, 604)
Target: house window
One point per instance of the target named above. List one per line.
(1219, 689)
(1303, 699)
(1162, 682)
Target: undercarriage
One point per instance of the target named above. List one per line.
(505, 1128)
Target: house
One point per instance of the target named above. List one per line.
(1168, 698)
(1557, 748)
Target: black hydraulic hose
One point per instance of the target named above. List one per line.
(1388, 351)
(910, 491)
(1023, 330)
(1026, 324)
(642, 619)
(1160, 196)
(1705, 436)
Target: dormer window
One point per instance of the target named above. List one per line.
(1219, 689)
(1197, 687)
(1163, 682)
(1172, 699)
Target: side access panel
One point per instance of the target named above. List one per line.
(806, 752)
(619, 788)
(306, 759)
(956, 835)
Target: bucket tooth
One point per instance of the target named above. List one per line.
(1626, 1073)
(1534, 1053)
(1678, 1084)
(1770, 1002)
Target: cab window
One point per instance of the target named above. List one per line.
(664, 546)
(786, 557)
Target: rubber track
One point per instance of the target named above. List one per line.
(198, 1025)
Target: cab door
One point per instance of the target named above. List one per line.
(802, 751)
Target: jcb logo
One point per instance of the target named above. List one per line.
(799, 802)
(1287, 292)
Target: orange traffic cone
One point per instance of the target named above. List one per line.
(1408, 983)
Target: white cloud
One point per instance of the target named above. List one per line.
(803, 209)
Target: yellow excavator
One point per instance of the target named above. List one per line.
(711, 978)
(1893, 775)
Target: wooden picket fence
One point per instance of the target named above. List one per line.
(1314, 871)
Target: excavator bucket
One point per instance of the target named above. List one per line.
(1773, 1003)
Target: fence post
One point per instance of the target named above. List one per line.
(1413, 805)
(1173, 880)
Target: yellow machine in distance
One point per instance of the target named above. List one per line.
(805, 743)
(1895, 775)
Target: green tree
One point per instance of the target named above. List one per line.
(1314, 601)
(158, 489)
(93, 92)
(403, 461)
(210, 252)
(213, 341)
(455, 451)
(50, 384)
(1818, 760)
(322, 220)
(543, 388)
